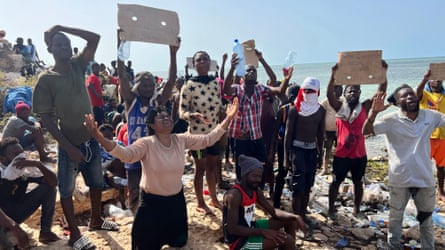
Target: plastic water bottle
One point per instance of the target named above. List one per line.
(290, 60)
(124, 50)
(437, 219)
(240, 69)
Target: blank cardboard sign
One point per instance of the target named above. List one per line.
(146, 24)
(360, 67)
(249, 53)
(437, 71)
(213, 64)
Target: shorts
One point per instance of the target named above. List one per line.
(90, 167)
(251, 242)
(160, 220)
(202, 153)
(438, 151)
(341, 167)
(304, 166)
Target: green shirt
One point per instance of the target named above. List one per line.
(66, 97)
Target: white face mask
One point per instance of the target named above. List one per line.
(310, 99)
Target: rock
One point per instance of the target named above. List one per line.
(320, 237)
(412, 233)
(363, 233)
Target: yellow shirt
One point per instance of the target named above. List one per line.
(434, 101)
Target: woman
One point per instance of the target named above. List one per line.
(162, 216)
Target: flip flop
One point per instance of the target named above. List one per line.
(106, 225)
(83, 243)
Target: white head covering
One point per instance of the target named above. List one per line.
(307, 103)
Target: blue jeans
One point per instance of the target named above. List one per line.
(425, 200)
(91, 169)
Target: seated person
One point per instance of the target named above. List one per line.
(240, 230)
(114, 169)
(16, 205)
(26, 130)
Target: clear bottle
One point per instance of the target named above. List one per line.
(240, 69)
(124, 51)
(290, 60)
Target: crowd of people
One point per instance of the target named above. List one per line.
(114, 123)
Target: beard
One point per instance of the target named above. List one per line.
(406, 107)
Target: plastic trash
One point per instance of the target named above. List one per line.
(120, 181)
(342, 243)
(124, 50)
(438, 219)
(115, 211)
(240, 69)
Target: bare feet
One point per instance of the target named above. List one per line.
(204, 209)
(216, 204)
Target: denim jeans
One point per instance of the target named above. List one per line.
(425, 200)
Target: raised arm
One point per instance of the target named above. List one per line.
(282, 88)
(330, 93)
(421, 86)
(124, 80)
(92, 39)
(269, 71)
(223, 65)
(229, 79)
(383, 86)
(167, 91)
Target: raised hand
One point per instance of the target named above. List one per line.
(378, 102)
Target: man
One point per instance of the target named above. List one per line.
(410, 174)
(303, 142)
(330, 134)
(94, 87)
(350, 153)
(240, 229)
(278, 140)
(16, 204)
(431, 94)
(68, 104)
(245, 129)
(140, 98)
(26, 131)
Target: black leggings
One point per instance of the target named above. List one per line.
(160, 220)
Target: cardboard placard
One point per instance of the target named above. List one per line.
(213, 64)
(146, 24)
(249, 53)
(360, 67)
(437, 71)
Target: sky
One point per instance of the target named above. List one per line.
(317, 29)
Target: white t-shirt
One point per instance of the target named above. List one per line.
(409, 149)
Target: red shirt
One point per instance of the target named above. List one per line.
(95, 82)
(350, 138)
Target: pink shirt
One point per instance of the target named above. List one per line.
(350, 138)
(163, 167)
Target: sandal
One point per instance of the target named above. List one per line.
(83, 243)
(106, 225)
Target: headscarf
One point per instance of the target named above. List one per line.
(307, 104)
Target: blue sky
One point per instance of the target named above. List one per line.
(315, 29)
